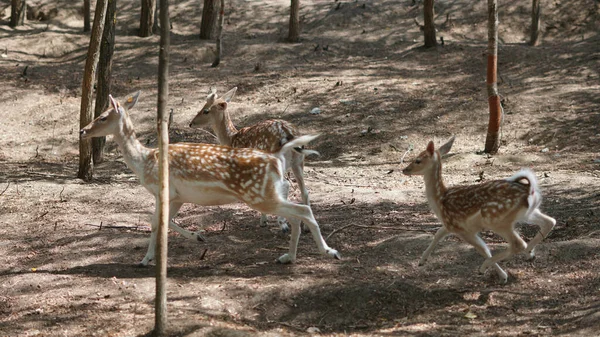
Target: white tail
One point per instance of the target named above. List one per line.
(495, 205)
(210, 175)
(269, 135)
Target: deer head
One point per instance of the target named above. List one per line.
(111, 120)
(213, 110)
(425, 160)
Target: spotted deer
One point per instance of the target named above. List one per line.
(269, 136)
(495, 205)
(206, 175)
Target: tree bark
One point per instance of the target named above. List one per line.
(220, 35)
(147, 18)
(492, 142)
(294, 27)
(85, 116)
(209, 20)
(103, 88)
(86, 15)
(163, 171)
(17, 12)
(536, 14)
(429, 24)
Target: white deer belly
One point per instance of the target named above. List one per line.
(205, 193)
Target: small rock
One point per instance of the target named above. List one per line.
(313, 329)
(544, 150)
(546, 175)
(347, 101)
(315, 111)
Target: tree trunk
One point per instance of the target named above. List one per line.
(86, 15)
(147, 17)
(163, 171)
(429, 24)
(17, 12)
(103, 88)
(86, 116)
(536, 13)
(492, 142)
(209, 20)
(155, 27)
(220, 35)
(294, 28)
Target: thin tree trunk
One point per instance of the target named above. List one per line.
(86, 15)
(155, 27)
(209, 19)
(86, 115)
(220, 35)
(492, 142)
(294, 27)
(17, 12)
(163, 171)
(103, 88)
(536, 14)
(147, 17)
(429, 24)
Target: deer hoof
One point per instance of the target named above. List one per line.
(285, 259)
(334, 253)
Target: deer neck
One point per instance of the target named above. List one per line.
(225, 131)
(134, 153)
(434, 186)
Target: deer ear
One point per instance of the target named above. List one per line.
(444, 149)
(229, 95)
(131, 100)
(430, 148)
(223, 105)
(114, 103)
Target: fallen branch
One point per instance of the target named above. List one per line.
(115, 227)
(381, 228)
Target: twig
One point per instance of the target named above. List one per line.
(404, 155)
(5, 188)
(215, 137)
(203, 253)
(60, 194)
(41, 216)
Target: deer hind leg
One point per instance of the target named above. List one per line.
(515, 246)
(173, 209)
(439, 235)
(297, 166)
(546, 224)
(296, 213)
(483, 249)
(285, 191)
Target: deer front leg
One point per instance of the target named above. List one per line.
(439, 235)
(483, 249)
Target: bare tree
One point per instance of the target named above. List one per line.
(209, 19)
(536, 14)
(163, 171)
(103, 88)
(220, 35)
(429, 24)
(147, 18)
(86, 15)
(86, 116)
(492, 142)
(294, 27)
(17, 12)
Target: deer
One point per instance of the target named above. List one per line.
(269, 136)
(495, 205)
(209, 175)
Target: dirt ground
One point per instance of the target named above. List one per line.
(69, 249)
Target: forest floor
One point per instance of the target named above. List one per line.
(69, 249)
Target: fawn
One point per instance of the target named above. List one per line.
(210, 175)
(269, 136)
(495, 205)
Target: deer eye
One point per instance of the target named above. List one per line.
(418, 161)
(103, 119)
(205, 111)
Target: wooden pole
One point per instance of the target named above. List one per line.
(163, 171)
(85, 115)
(492, 141)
